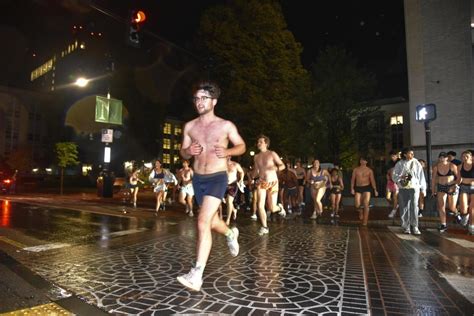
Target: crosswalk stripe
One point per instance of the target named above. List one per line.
(12, 242)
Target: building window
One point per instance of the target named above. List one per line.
(177, 146)
(166, 143)
(177, 130)
(167, 128)
(396, 120)
(396, 124)
(166, 158)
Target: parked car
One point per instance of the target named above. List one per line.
(7, 182)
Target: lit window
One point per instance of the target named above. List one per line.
(167, 128)
(166, 158)
(166, 143)
(83, 45)
(178, 130)
(177, 146)
(76, 44)
(396, 120)
(176, 159)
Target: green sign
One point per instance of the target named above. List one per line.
(108, 110)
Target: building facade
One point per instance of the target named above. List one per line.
(440, 71)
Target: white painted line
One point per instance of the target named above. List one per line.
(461, 284)
(125, 232)
(462, 242)
(46, 247)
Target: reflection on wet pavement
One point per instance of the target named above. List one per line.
(129, 266)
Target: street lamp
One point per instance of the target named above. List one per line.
(81, 82)
(426, 113)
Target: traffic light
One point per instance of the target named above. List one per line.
(425, 112)
(135, 22)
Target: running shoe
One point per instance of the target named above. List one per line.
(465, 220)
(192, 280)
(233, 242)
(416, 231)
(442, 228)
(253, 217)
(407, 231)
(282, 211)
(314, 216)
(190, 214)
(263, 231)
(392, 213)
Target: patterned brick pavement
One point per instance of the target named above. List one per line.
(301, 267)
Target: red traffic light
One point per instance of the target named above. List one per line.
(138, 17)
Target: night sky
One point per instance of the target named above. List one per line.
(373, 31)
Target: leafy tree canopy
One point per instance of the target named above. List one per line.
(258, 66)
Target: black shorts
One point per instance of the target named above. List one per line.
(363, 189)
(231, 189)
(214, 184)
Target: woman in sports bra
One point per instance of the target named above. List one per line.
(444, 187)
(133, 181)
(317, 179)
(336, 191)
(157, 178)
(466, 190)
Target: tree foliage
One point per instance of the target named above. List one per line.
(257, 63)
(66, 153)
(340, 89)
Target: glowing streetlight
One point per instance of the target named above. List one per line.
(81, 82)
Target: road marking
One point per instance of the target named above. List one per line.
(46, 247)
(125, 232)
(46, 309)
(12, 242)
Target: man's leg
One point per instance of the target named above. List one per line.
(261, 199)
(357, 204)
(189, 204)
(365, 201)
(230, 208)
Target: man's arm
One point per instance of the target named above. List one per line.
(185, 143)
(372, 182)
(236, 140)
(189, 147)
(353, 178)
(279, 164)
(240, 172)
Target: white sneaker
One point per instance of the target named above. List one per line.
(253, 217)
(416, 231)
(314, 216)
(392, 213)
(192, 280)
(233, 243)
(190, 214)
(407, 230)
(263, 231)
(282, 211)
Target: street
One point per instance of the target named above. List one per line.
(91, 253)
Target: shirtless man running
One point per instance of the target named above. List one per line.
(206, 138)
(267, 164)
(362, 183)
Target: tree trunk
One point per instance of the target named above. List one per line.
(61, 183)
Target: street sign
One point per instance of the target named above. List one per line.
(107, 135)
(425, 112)
(108, 110)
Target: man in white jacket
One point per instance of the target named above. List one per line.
(409, 176)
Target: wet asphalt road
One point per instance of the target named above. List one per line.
(127, 264)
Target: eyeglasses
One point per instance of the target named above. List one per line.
(202, 99)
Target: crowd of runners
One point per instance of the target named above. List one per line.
(220, 186)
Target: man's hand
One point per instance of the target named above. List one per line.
(221, 152)
(194, 149)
